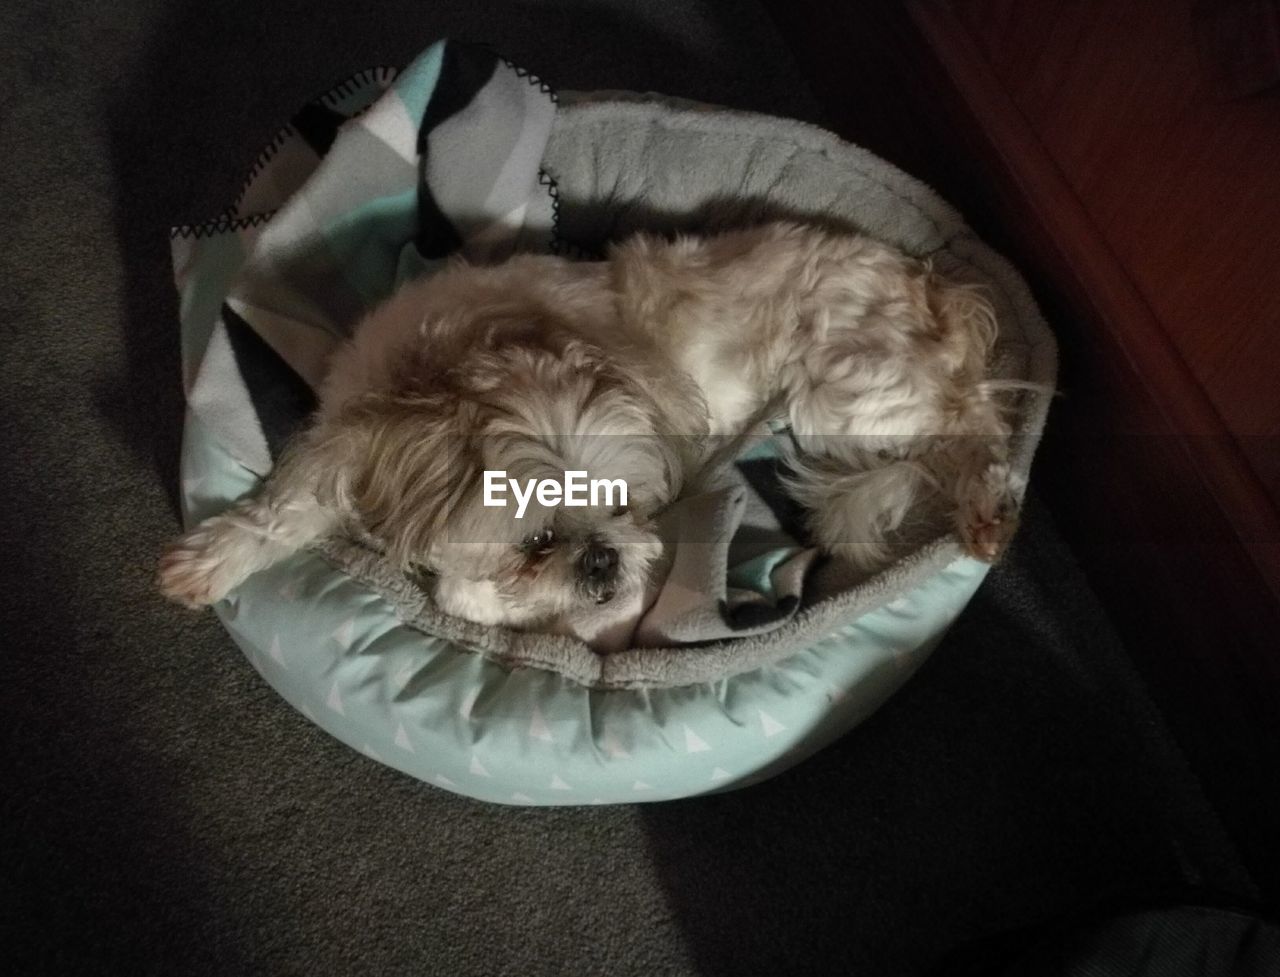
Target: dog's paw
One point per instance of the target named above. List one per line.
(195, 571)
(988, 512)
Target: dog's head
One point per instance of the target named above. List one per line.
(526, 408)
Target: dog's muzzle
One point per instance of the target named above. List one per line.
(598, 572)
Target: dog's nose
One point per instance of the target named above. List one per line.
(599, 559)
(598, 567)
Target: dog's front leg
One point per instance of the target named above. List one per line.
(204, 565)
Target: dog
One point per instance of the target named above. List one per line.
(629, 368)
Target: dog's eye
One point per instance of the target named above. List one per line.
(540, 542)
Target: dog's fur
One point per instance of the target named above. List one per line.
(628, 368)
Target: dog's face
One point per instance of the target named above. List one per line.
(527, 411)
(544, 560)
(550, 564)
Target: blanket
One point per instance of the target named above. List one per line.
(381, 180)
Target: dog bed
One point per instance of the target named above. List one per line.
(379, 180)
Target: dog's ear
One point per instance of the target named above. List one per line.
(407, 464)
(965, 321)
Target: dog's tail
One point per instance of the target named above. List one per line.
(852, 512)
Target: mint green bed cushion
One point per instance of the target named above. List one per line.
(337, 651)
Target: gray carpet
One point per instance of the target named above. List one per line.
(1022, 773)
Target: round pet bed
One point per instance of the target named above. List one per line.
(528, 719)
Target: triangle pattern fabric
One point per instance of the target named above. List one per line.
(693, 743)
(220, 398)
(769, 726)
(276, 653)
(280, 398)
(402, 738)
(538, 728)
(334, 701)
(611, 746)
(463, 73)
(444, 157)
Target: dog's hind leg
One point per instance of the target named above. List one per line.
(854, 511)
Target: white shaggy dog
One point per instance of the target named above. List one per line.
(628, 368)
